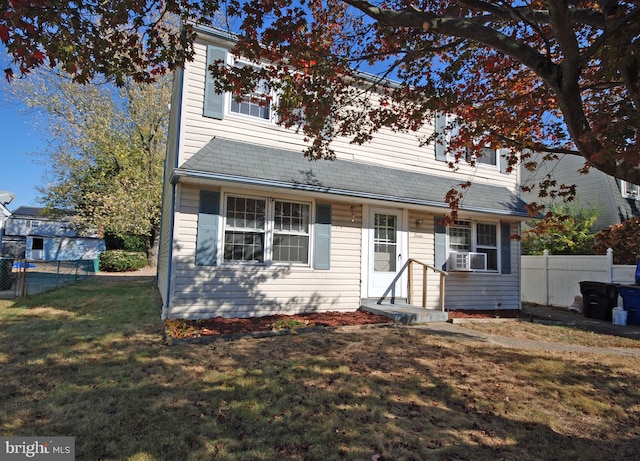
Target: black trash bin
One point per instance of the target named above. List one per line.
(598, 299)
(5, 273)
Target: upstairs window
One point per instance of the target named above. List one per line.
(629, 190)
(447, 130)
(488, 156)
(255, 104)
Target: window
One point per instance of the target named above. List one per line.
(629, 190)
(251, 236)
(34, 223)
(487, 243)
(245, 229)
(447, 124)
(385, 242)
(291, 232)
(488, 156)
(255, 104)
(470, 237)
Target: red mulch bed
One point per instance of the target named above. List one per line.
(223, 326)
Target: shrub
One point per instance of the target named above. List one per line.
(126, 242)
(623, 239)
(122, 261)
(564, 231)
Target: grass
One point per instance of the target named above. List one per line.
(87, 361)
(550, 332)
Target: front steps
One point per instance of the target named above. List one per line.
(401, 312)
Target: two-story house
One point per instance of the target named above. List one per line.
(32, 234)
(251, 228)
(614, 199)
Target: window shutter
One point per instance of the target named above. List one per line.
(440, 244)
(213, 102)
(440, 140)
(503, 153)
(207, 238)
(505, 248)
(322, 246)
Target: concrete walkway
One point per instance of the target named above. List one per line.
(550, 315)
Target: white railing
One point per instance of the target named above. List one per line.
(425, 270)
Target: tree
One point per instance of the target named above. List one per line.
(623, 239)
(552, 76)
(106, 151)
(566, 231)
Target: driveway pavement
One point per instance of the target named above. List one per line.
(544, 314)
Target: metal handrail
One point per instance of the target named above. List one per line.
(442, 273)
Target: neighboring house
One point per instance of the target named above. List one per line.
(615, 200)
(31, 234)
(5, 199)
(252, 228)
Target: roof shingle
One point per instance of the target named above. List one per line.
(229, 160)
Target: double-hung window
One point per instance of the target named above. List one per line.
(255, 104)
(488, 156)
(291, 232)
(487, 243)
(466, 239)
(259, 230)
(245, 229)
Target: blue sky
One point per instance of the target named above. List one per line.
(21, 168)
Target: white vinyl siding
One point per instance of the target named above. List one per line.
(388, 148)
(247, 291)
(463, 290)
(486, 290)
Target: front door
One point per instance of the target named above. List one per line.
(387, 254)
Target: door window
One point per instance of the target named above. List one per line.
(385, 243)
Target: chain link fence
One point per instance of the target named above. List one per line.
(20, 277)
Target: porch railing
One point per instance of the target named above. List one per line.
(411, 284)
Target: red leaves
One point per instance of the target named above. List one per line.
(4, 33)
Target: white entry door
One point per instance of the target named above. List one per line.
(387, 253)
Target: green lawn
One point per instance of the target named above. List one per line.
(87, 361)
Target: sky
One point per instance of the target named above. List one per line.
(21, 168)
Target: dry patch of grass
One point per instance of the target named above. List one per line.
(96, 369)
(554, 333)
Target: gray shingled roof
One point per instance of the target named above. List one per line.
(244, 163)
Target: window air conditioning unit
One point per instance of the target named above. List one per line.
(466, 261)
(631, 190)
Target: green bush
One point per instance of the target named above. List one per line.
(566, 230)
(126, 242)
(122, 261)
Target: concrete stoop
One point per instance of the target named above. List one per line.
(401, 312)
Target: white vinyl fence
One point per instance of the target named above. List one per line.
(555, 280)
